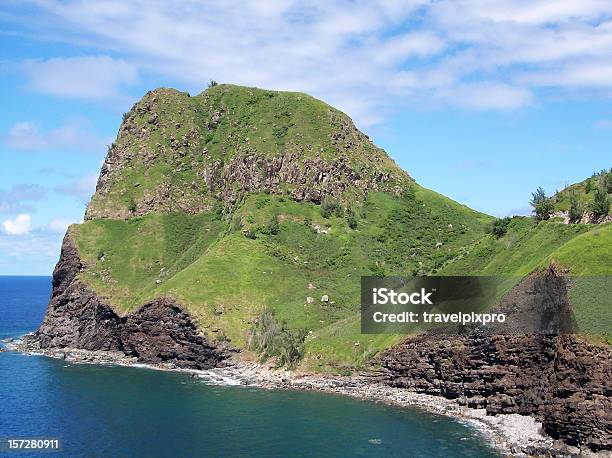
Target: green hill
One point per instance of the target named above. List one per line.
(584, 193)
(241, 200)
(583, 251)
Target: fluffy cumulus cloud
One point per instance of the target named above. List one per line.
(473, 54)
(20, 225)
(74, 136)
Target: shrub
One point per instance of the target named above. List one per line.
(132, 205)
(273, 226)
(271, 338)
(542, 205)
(601, 203)
(329, 207)
(575, 209)
(499, 227)
(351, 219)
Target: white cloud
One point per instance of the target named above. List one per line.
(59, 225)
(81, 188)
(18, 226)
(76, 135)
(89, 77)
(475, 54)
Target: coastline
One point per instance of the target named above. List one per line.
(510, 434)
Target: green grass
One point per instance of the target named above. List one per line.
(226, 264)
(226, 279)
(584, 191)
(583, 251)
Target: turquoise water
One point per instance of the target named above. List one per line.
(119, 411)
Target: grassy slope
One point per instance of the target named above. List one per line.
(584, 250)
(226, 279)
(589, 257)
(562, 198)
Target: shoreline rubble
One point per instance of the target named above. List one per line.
(510, 434)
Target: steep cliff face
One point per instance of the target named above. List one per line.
(159, 332)
(559, 378)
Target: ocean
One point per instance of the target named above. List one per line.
(109, 411)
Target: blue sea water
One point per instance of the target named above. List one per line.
(112, 411)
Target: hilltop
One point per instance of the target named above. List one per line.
(175, 152)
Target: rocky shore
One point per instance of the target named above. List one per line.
(512, 434)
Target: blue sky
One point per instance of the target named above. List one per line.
(480, 100)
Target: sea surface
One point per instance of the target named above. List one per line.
(109, 411)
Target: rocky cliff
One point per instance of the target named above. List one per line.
(175, 152)
(561, 379)
(159, 332)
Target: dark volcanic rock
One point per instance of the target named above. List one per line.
(562, 380)
(159, 332)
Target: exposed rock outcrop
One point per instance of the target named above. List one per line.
(171, 132)
(562, 380)
(586, 218)
(159, 332)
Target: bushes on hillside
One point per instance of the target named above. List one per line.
(273, 226)
(499, 227)
(542, 205)
(132, 205)
(351, 219)
(575, 210)
(329, 207)
(601, 202)
(271, 338)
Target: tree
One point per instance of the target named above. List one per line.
(499, 227)
(351, 219)
(601, 203)
(575, 209)
(273, 226)
(329, 207)
(542, 205)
